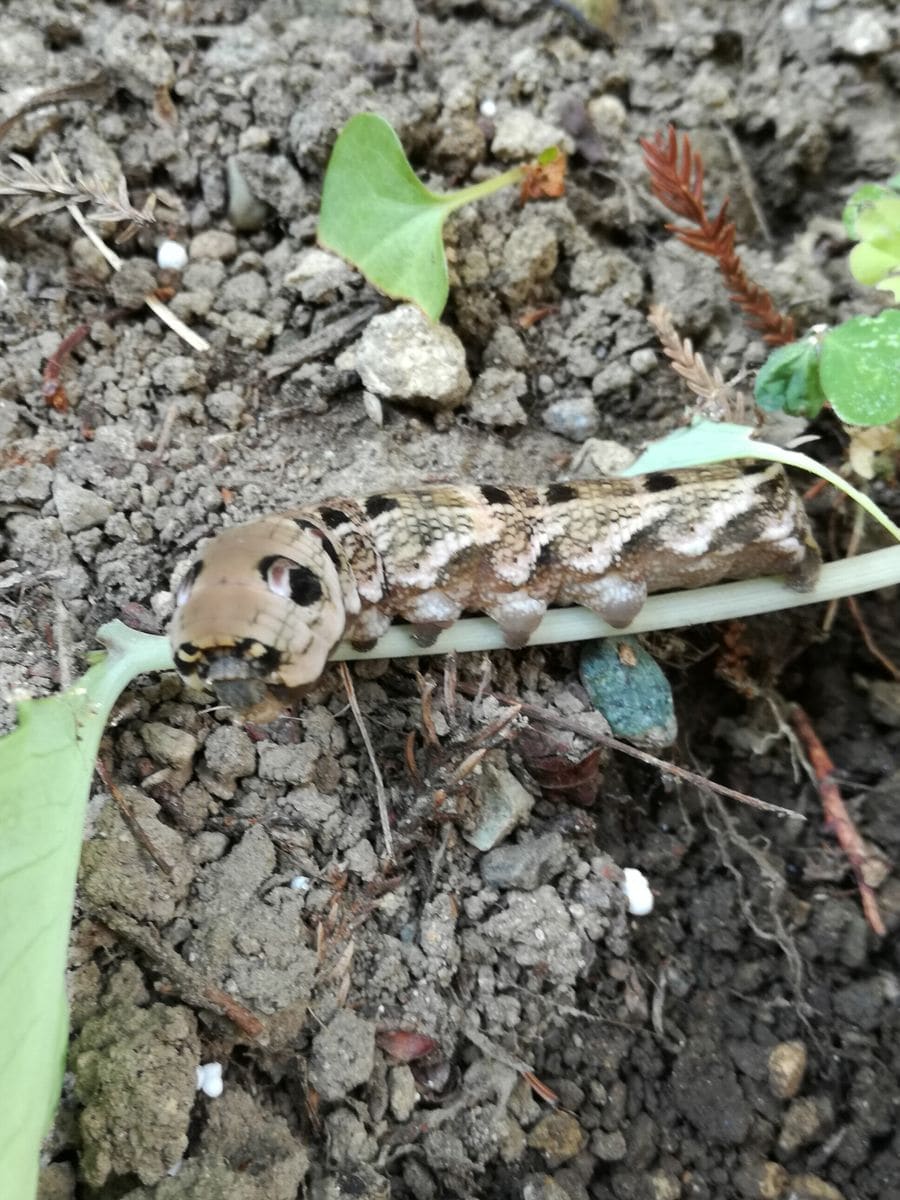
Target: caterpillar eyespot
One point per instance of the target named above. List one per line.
(267, 602)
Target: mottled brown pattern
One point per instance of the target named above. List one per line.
(272, 598)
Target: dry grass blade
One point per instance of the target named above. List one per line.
(52, 189)
(722, 400)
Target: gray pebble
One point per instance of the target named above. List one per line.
(215, 244)
(574, 417)
(178, 373)
(287, 764)
(343, 1055)
(494, 400)
(503, 804)
(608, 1147)
(525, 865)
(404, 356)
(884, 702)
(227, 407)
(132, 282)
(25, 485)
(172, 747)
(77, 507)
(230, 753)
(248, 291)
(402, 1091)
(806, 1122)
(246, 212)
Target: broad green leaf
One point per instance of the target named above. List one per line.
(867, 207)
(712, 442)
(872, 264)
(46, 765)
(789, 380)
(376, 214)
(859, 367)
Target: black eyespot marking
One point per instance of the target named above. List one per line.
(495, 495)
(300, 585)
(332, 517)
(376, 505)
(305, 586)
(560, 493)
(660, 481)
(545, 556)
(302, 523)
(755, 468)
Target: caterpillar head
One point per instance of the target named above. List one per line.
(261, 607)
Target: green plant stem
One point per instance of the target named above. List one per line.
(477, 191)
(724, 602)
(669, 610)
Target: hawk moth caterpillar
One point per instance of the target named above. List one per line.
(267, 601)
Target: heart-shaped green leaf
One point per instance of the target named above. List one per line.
(377, 215)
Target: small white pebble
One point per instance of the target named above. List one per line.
(488, 107)
(637, 892)
(209, 1079)
(301, 883)
(171, 256)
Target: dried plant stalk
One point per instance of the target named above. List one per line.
(676, 174)
(721, 400)
(53, 189)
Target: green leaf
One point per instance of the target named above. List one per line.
(871, 263)
(46, 765)
(712, 442)
(860, 369)
(865, 201)
(376, 214)
(789, 380)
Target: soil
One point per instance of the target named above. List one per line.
(740, 1040)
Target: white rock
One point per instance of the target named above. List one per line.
(637, 892)
(864, 34)
(521, 135)
(209, 1080)
(171, 256)
(404, 356)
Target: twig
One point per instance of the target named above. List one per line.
(871, 645)
(837, 818)
(676, 174)
(128, 816)
(379, 782)
(189, 984)
(573, 725)
(97, 88)
(156, 306)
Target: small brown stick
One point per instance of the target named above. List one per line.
(837, 818)
(871, 645)
(676, 173)
(426, 688)
(604, 739)
(51, 389)
(191, 986)
(367, 742)
(98, 88)
(128, 816)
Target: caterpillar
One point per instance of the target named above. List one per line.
(267, 601)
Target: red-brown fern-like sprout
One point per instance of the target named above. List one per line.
(676, 174)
